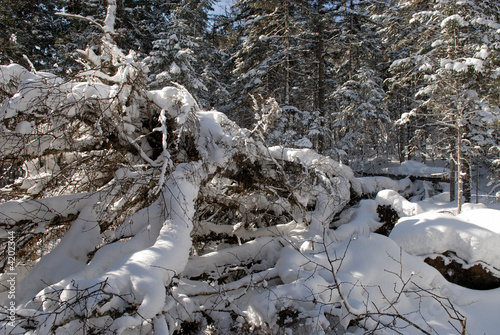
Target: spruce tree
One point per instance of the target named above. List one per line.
(361, 127)
(403, 39)
(184, 54)
(459, 56)
(29, 31)
(355, 103)
(266, 62)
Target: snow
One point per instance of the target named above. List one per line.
(174, 68)
(473, 235)
(483, 53)
(371, 270)
(109, 21)
(402, 206)
(454, 18)
(304, 142)
(71, 251)
(405, 118)
(14, 73)
(490, 23)
(372, 185)
(144, 269)
(348, 270)
(43, 210)
(471, 238)
(462, 66)
(407, 168)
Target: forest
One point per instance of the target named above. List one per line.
(249, 167)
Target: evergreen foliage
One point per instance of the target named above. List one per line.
(30, 29)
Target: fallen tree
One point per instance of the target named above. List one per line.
(118, 181)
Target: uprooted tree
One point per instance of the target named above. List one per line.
(135, 211)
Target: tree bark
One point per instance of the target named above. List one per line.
(459, 166)
(452, 179)
(467, 185)
(320, 83)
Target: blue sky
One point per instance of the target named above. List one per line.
(220, 6)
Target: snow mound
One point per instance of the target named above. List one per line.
(413, 168)
(474, 235)
(364, 218)
(400, 204)
(372, 185)
(372, 274)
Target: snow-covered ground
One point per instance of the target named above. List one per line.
(385, 279)
(426, 228)
(349, 272)
(474, 235)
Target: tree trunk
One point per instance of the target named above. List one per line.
(467, 185)
(459, 167)
(452, 179)
(320, 84)
(477, 181)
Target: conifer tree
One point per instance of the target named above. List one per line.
(29, 31)
(405, 75)
(459, 59)
(266, 62)
(183, 54)
(353, 54)
(362, 122)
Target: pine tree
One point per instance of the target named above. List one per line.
(362, 121)
(459, 57)
(405, 74)
(353, 57)
(136, 23)
(183, 54)
(46, 34)
(283, 55)
(266, 62)
(29, 31)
